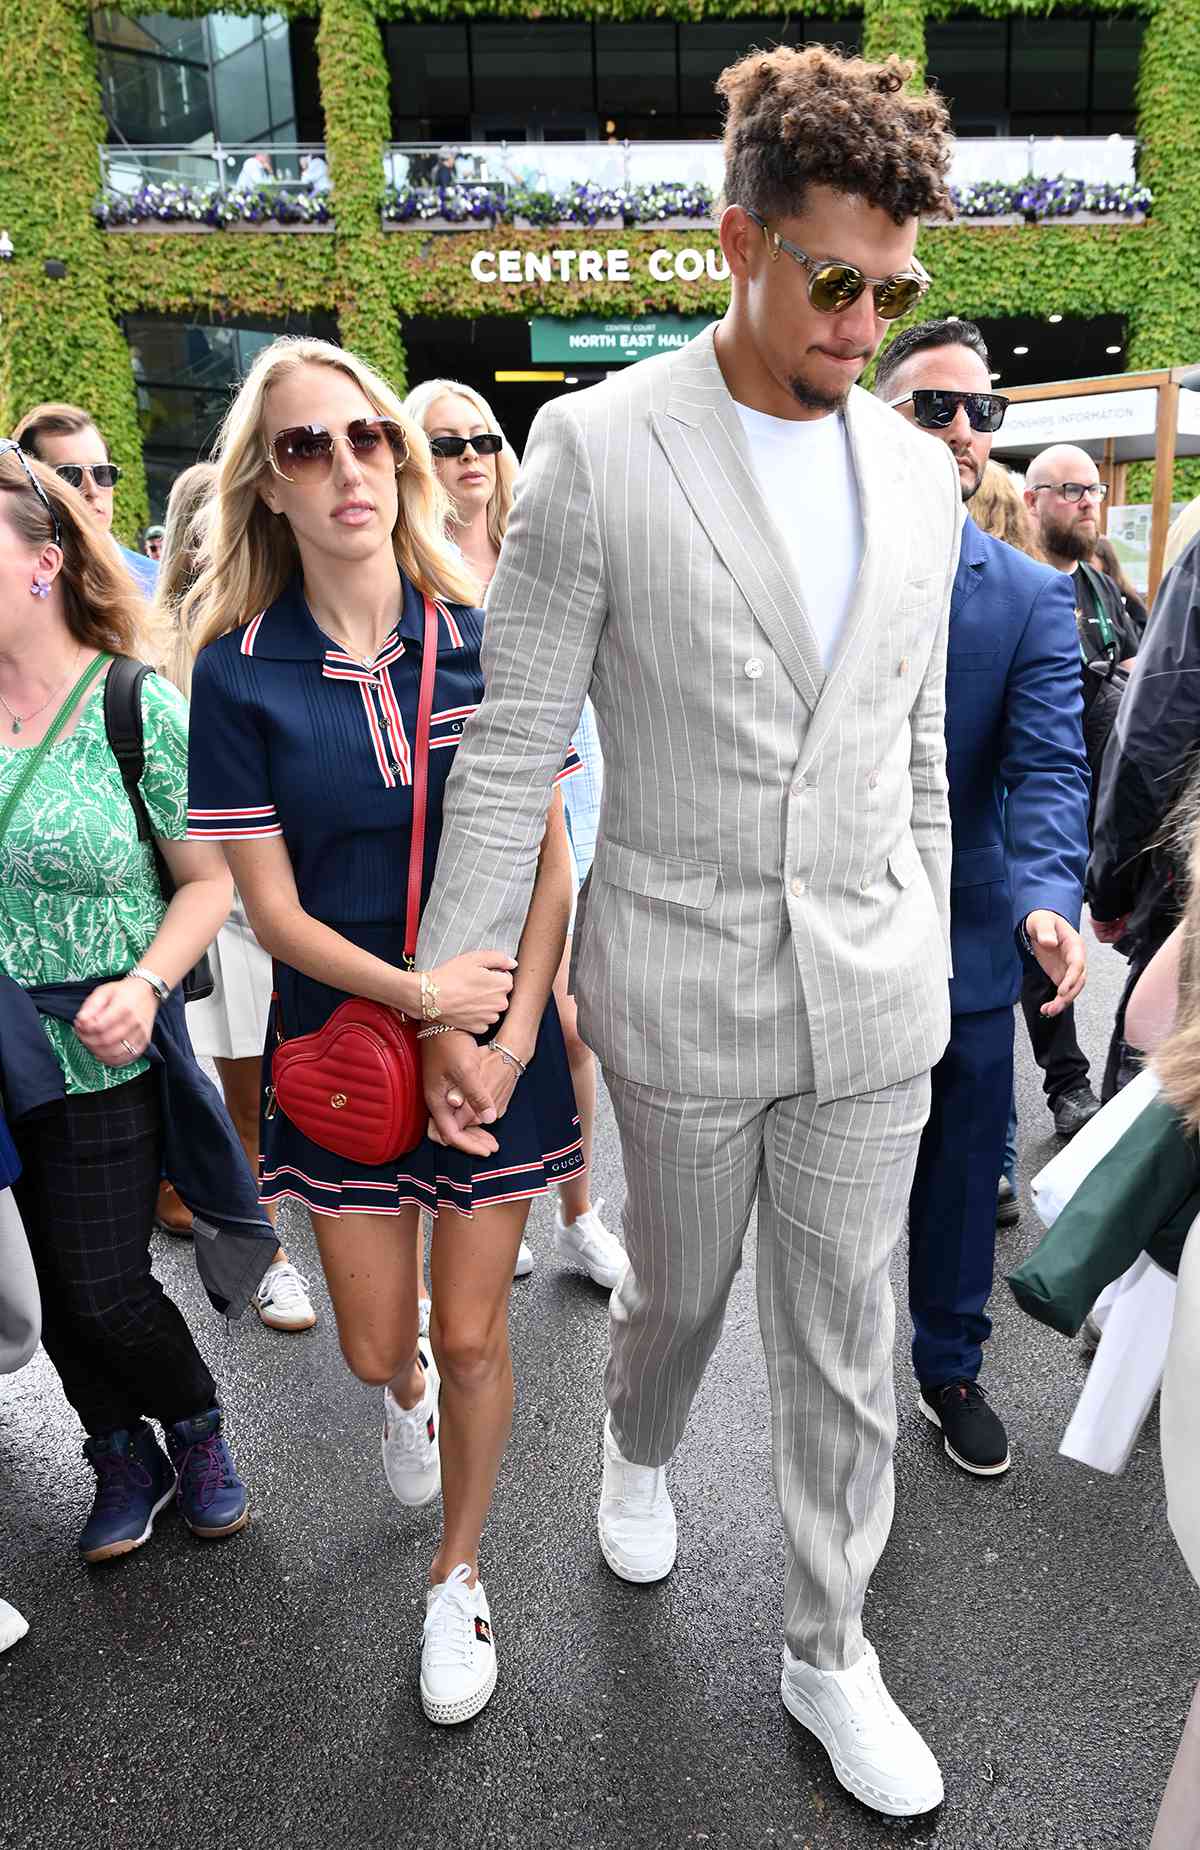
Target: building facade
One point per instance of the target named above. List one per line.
(150, 325)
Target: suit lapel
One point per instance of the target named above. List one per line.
(701, 434)
(884, 561)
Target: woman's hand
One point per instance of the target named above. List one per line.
(473, 990)
(465, 1087)
(117, 1020)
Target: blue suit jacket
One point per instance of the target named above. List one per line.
(1018, 773)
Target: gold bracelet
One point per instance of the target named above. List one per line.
(429, 996)
(427, 1034)
(506, 1053)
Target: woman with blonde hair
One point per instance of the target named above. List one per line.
(998, 508)
(478, 470)
(91, 956)
(228, 1027)
(326, 584)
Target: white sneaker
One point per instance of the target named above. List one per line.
(12, 1625)
(424, 1312)
(636, 1518)
(876, 1752)
(587, 1241)
(458, 1655)
(524, 1265)
(411, 1461)
(282, 1300)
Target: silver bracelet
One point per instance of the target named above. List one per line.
(156, 982)
(506, 1053)
(427, 1034)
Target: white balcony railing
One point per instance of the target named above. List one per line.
(556, 165)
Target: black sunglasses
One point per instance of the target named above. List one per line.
(105, 475)
(489, 443)
(935, 410)
(7, 446)
(304, 452)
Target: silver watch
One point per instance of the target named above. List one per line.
(156, 983)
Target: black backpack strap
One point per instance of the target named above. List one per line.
(123, 724)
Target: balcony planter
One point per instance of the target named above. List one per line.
(168, 226)
(176, 207)
(274, 224)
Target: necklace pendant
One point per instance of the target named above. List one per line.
(16, 725)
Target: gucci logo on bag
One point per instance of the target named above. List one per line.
(337, 1100)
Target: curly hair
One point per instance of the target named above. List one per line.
(812, 117)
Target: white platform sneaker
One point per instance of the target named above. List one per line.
(411, 1461)
(458, 1654)
(636, 1518)
(876, 1752)
(587, 1242)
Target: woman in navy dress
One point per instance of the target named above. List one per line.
(326, 535)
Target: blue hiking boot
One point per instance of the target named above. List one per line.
(134, 1482)
(212, 1497)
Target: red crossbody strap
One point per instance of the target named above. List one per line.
(416, 852)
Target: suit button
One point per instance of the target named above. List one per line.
(800, 786)
(904, 664)
(798, 888)
(873, 781)
(753, 668)
(864, 885)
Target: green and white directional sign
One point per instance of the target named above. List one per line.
(588, 341)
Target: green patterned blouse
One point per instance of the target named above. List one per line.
(79, 893)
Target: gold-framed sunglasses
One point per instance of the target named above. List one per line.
(834, 286)
(304, 452)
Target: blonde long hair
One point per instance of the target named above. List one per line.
(250, 554)
(103, 607)
(998, 508)
(1177, 1062)
(418, 405)
(183, 546)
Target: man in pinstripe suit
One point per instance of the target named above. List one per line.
(747, 561)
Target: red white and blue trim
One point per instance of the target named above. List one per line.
(254, 823)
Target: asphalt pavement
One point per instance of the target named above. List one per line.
(1040, 1629)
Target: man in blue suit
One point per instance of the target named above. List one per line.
(1018, 815)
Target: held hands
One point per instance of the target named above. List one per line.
(466, 1088)
(1059, 950)
(473, 990)
(117, 1020)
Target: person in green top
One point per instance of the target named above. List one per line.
(80, 903)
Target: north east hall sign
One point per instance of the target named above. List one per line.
(607, 266)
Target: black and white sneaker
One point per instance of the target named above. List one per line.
(971, 1432)
(1008, 1208)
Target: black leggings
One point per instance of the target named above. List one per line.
(90, 1174)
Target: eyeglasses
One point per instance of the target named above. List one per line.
(937, 410)
(1075, 491)
(8, 447)
(834, 286)
(105, 475)
(304, 452)
(488, 443)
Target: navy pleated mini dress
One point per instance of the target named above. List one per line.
(290, 736)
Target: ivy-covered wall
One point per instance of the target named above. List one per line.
(62, 338)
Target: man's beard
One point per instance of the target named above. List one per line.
(813, 398)
(974, 487)
(1069, 540)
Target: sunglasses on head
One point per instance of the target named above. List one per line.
(304, 452)
(834, 286)
(935, 410)
(8, 447)
(488, 443)
(105, 475)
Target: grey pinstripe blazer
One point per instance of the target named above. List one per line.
(770, 895)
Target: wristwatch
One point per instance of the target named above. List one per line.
(156, 983)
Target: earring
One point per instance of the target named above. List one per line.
(39, 588)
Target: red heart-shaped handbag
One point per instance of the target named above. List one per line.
(355, 1086)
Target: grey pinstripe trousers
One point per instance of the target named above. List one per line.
(831, 1183)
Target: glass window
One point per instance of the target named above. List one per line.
(968, 60)
(281, 100)
(1050, 66)
(1114, 73)
(240, 86)
(540, 65)
(232, 32)
(429, 69)
(706, 49)
(635, 70)
(153, 32)
(154, 99)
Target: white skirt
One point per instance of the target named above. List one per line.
(231, 1024)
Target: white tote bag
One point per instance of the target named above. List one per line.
(1054, 1185)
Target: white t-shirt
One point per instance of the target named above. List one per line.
(804, 469)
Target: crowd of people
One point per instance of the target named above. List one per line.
(773, 779)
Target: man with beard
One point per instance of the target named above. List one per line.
(1063, 492)
(1018, 823)
(747, 563)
